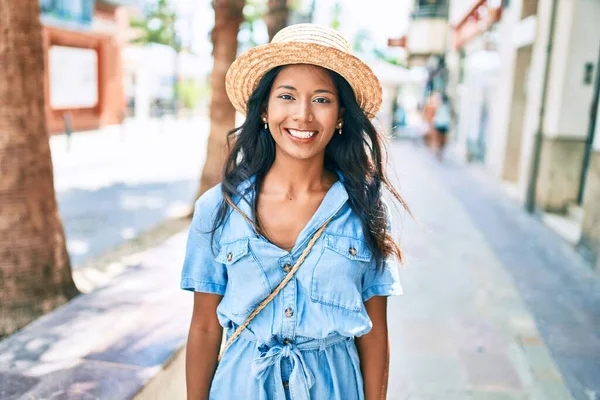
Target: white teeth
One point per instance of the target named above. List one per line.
(301, 134)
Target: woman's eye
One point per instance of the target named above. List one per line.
(322, 100)
(285, 97)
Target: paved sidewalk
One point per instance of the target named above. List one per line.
(121, 342)
(114, 183)
(495, 306)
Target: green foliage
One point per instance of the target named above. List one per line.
(361, 41)
(254, 12)
(336, 16)
(295, 5)
(387, 58)
(191, 92)
(364, 44)
(158, 26)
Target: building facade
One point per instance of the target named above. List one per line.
(83, 40)
(474, 66)
(538, 84)
(590, 198)
(428, 31)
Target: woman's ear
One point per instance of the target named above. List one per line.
(341, 115)
(264, 113)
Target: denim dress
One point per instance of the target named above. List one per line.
(301, 346)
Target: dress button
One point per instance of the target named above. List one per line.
(286, 341)
(287, 268)
(229, 256)
(352, 251)
(286, 385)
(289, 312)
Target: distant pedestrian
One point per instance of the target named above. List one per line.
(429, 110)
(442, 123)
(292, 253)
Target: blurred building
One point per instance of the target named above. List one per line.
(474, 63)
(392, 78)
(427, 42)
(428, 31)
(150, 71)
(525, 78)
(84, 79)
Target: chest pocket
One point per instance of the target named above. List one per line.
(337, 275)
(247, 284)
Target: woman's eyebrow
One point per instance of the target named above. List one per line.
(324, 91)
(288, 87)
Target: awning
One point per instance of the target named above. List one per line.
(479, 19)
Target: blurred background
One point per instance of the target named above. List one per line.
(491, 107)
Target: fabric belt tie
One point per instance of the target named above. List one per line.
(301, 378)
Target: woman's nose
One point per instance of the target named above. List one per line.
(303, 111)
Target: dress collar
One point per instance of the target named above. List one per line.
(334, 200)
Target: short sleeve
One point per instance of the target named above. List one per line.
(201, 272)
(384, 281)
(381, 282)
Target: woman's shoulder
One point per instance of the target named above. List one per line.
(210, 199)
(213, 197)
(209, 204)
(206, 207)
(347, 221)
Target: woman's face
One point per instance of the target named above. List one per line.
(303, 111)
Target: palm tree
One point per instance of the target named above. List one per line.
(35, 273)
(228, 17)
(277, 17)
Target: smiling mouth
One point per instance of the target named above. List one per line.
(301, 134)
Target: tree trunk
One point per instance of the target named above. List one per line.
(277, 17)
(35, 273)
(228, 17)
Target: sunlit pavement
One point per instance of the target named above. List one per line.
(116, 182)
(495, 306)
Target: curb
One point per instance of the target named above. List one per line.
(99, 270)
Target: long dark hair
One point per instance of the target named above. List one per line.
(359, 154)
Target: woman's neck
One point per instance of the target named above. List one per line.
(294, 177)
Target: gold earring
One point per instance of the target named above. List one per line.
(265, 121)
(340, 129)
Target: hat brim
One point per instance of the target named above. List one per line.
(249, 68)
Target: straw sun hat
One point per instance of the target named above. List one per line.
(304, 44)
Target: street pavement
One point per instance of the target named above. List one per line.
(495, 306)
(115, 183)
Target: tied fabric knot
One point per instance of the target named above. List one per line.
(301, 378)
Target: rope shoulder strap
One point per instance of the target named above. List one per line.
(278, 289)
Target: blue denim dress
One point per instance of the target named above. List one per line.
(301, 346)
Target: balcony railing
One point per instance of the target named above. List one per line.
(123, 2)
(431, 11)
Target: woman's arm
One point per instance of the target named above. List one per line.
(373, 350)
(204, 342)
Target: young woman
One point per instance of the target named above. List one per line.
(298, 220)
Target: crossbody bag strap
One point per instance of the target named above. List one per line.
(276, 291)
